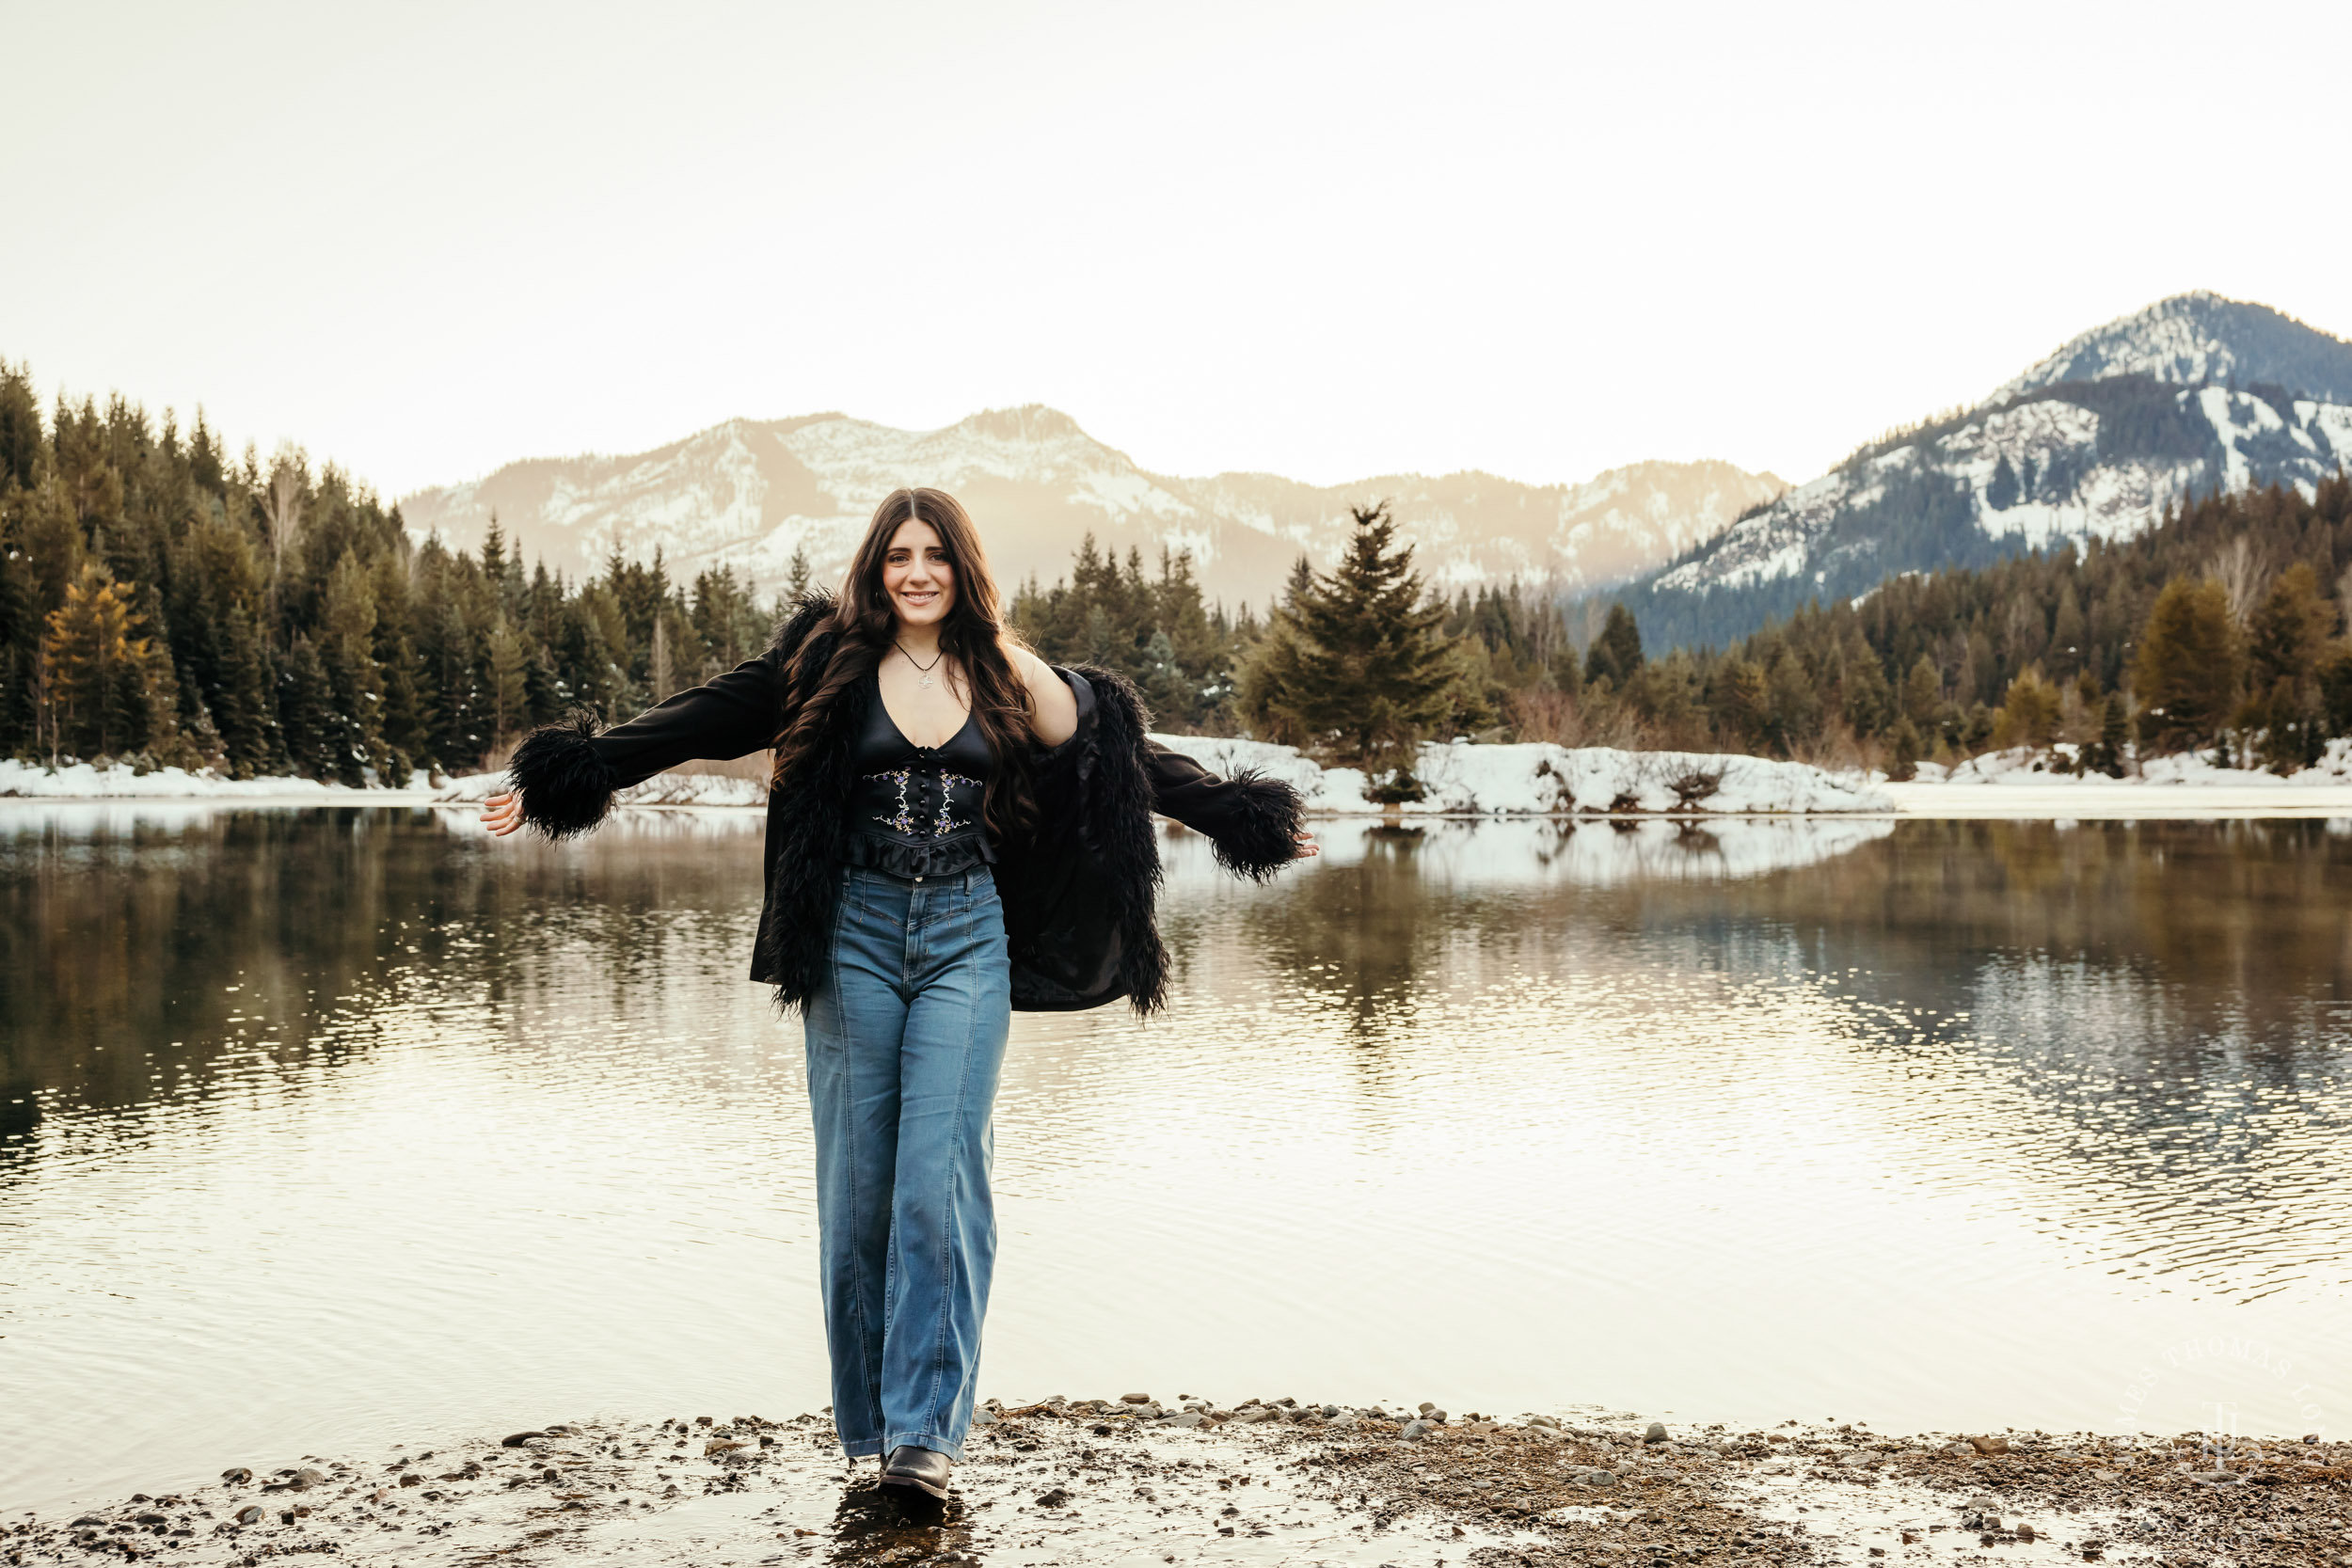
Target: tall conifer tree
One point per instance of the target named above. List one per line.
(1365, 666)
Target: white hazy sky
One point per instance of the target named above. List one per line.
(1327, 240)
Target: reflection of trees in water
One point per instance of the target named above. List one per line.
(2145, 1022)
(2130, 1016)
(2228, 929)
(1466, 905)
(141, 962)
(1356, 940)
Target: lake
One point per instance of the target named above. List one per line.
(327, 1128)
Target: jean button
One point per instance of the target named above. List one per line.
(918, 878)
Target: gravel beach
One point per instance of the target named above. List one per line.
(1133, 1480)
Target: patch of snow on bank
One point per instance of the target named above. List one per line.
(84, 782)
(1539, 778)
(662, 789)
(1533, 778)
(2022, 766)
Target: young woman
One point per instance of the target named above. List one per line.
(955, 830)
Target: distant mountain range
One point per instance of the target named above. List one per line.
(750, 492)
(2191, 394)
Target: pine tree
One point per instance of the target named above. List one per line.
(307, 717)
(1903, 740)
(242, 704)
(2285, 636)
(2287, 631)
(1870, 703)
(508, 669)
(98, 668)
(2002, 493)
(20, 426)
(1366, 665)
(1616, 652)
(1923, 693)
(1740, 704)
(346, 644)
(21, 632)
(796, 585)
(2188, 665)
(2029, 715)
(1274, 651)
(2105, 753)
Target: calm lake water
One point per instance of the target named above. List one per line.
(322, 1130)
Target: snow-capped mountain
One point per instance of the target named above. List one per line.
(2192, 394)
(749, 493)
(2200, 338)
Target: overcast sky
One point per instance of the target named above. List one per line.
(1329, 242)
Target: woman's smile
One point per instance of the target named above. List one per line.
(918, 575)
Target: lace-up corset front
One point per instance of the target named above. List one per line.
(917, 809)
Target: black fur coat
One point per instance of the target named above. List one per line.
(1078, 900)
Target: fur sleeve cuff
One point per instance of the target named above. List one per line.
(565, 786)
(1263, 835)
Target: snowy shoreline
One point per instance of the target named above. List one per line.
(1533, 779)
(1460, 780)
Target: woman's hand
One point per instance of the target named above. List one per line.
(503, 813)
(1308, 848)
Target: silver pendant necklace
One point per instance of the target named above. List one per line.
(926, 682)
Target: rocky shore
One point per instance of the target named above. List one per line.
(1136, 1480)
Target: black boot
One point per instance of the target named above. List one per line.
(913, 1467)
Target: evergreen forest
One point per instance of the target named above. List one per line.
(2220, 629)
(163, 604)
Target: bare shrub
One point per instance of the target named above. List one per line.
(1694, 784)
(1545, 713)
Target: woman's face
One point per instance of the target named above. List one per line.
(918, 576)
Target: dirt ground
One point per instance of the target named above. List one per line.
(1130, 1481)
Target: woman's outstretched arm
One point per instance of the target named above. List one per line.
(564, 776)
(1256, 825)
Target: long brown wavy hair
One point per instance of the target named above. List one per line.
(973, 637)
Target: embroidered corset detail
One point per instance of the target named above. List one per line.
(945, 823)
(901, 819)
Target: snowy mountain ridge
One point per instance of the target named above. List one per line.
(2093, 442)
(2195, 339)
(749, 493)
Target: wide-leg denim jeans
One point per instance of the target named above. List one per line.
(906, 1034)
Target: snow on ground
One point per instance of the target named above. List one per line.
(2021, 783)
(1529, 779)
(81, 782)
(2021, 767)
(1538, 778)
(662, 789)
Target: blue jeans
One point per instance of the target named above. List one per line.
(906, 1034)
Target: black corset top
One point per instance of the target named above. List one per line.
(917, 809)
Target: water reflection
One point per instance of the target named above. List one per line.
(402, 1128)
